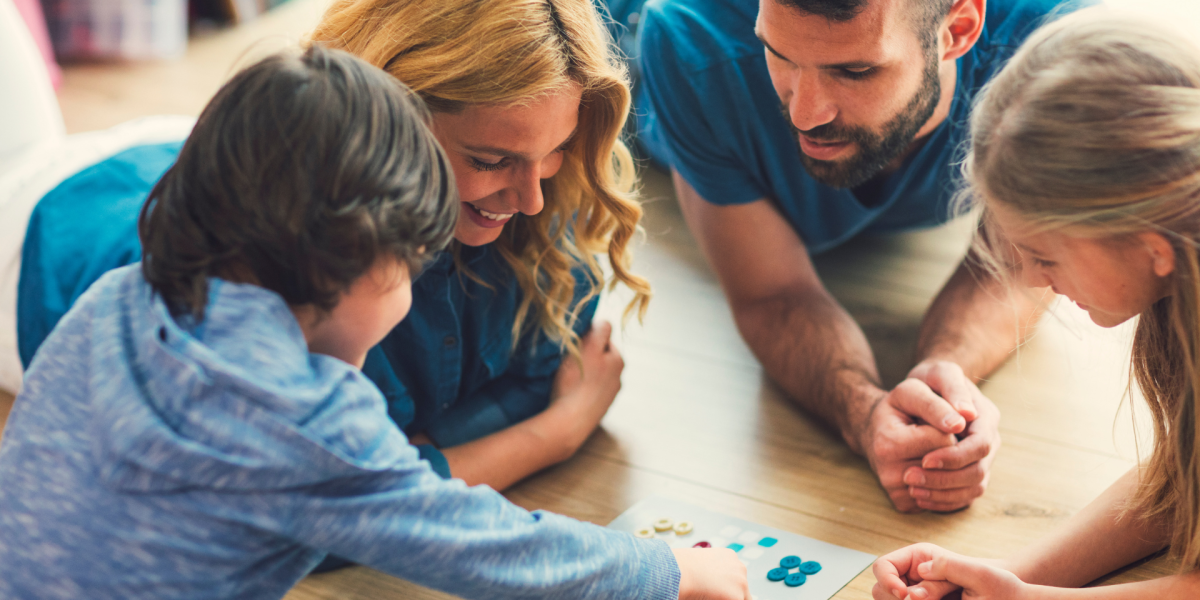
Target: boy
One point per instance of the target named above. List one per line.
(197, 425)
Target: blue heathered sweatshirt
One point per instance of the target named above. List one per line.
(152, 457)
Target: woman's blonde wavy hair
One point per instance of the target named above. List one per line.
(1093, 129)
(460, 53)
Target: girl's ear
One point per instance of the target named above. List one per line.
(1162, 254)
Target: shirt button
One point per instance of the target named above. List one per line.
(450, 341)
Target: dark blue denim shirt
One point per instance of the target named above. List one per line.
(449, 369)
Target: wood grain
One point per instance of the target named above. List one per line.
(6, 404)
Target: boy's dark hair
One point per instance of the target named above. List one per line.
(927, 14)
(301, 173)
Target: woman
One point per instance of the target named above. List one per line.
(528, 102)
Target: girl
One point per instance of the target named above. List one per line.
(528, 102)
(1086, 159)
(197, 426)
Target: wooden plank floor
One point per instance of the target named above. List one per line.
(697, 420)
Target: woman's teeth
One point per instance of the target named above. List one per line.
(491, 215)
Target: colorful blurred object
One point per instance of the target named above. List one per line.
(35, 20)
(136, 29)
(117, 29)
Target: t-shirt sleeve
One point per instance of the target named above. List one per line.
(683, 95)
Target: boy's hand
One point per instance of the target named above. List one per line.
(711, 574)
(929, 572)
(581, 397)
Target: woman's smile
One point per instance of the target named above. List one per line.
(522, 146)
(485, 218)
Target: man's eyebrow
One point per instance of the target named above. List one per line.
(769, 48)
(494, 151)
(847, 66)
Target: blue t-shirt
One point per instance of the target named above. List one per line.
(154, 457)
(712, 114)
(449, 369)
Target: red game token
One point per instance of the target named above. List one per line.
(702, 545)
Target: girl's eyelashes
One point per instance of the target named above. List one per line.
(1043, 263)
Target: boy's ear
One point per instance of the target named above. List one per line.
(1162, 253)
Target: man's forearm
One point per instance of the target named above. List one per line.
(812, 348)
(976, 321)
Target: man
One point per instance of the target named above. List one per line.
(791, 126)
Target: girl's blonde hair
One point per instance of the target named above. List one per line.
(1094, 128)
(460, 53)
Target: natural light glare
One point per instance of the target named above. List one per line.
(1181, 14)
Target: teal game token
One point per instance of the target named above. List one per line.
(795, 579)
(790, 562)
(811, 567)
(777, 574)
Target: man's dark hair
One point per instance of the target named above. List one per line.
(300, 174)
(927, 14)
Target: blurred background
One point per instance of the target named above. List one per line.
(113, 60)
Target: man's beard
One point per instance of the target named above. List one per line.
(875, 150)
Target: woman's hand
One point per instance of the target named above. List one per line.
(581, 396)
(711, 574)
(929, 572)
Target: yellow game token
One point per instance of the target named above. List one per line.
(683, 528)
(645, 532)
(663, 525)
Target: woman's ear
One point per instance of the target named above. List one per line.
(1162, 253)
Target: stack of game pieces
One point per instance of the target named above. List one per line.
(784, 574)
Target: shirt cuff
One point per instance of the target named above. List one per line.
(436, 459)
(660, 573)
(469, 420)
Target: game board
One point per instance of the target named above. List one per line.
(779, 564)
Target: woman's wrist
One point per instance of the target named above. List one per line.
(557, 429)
